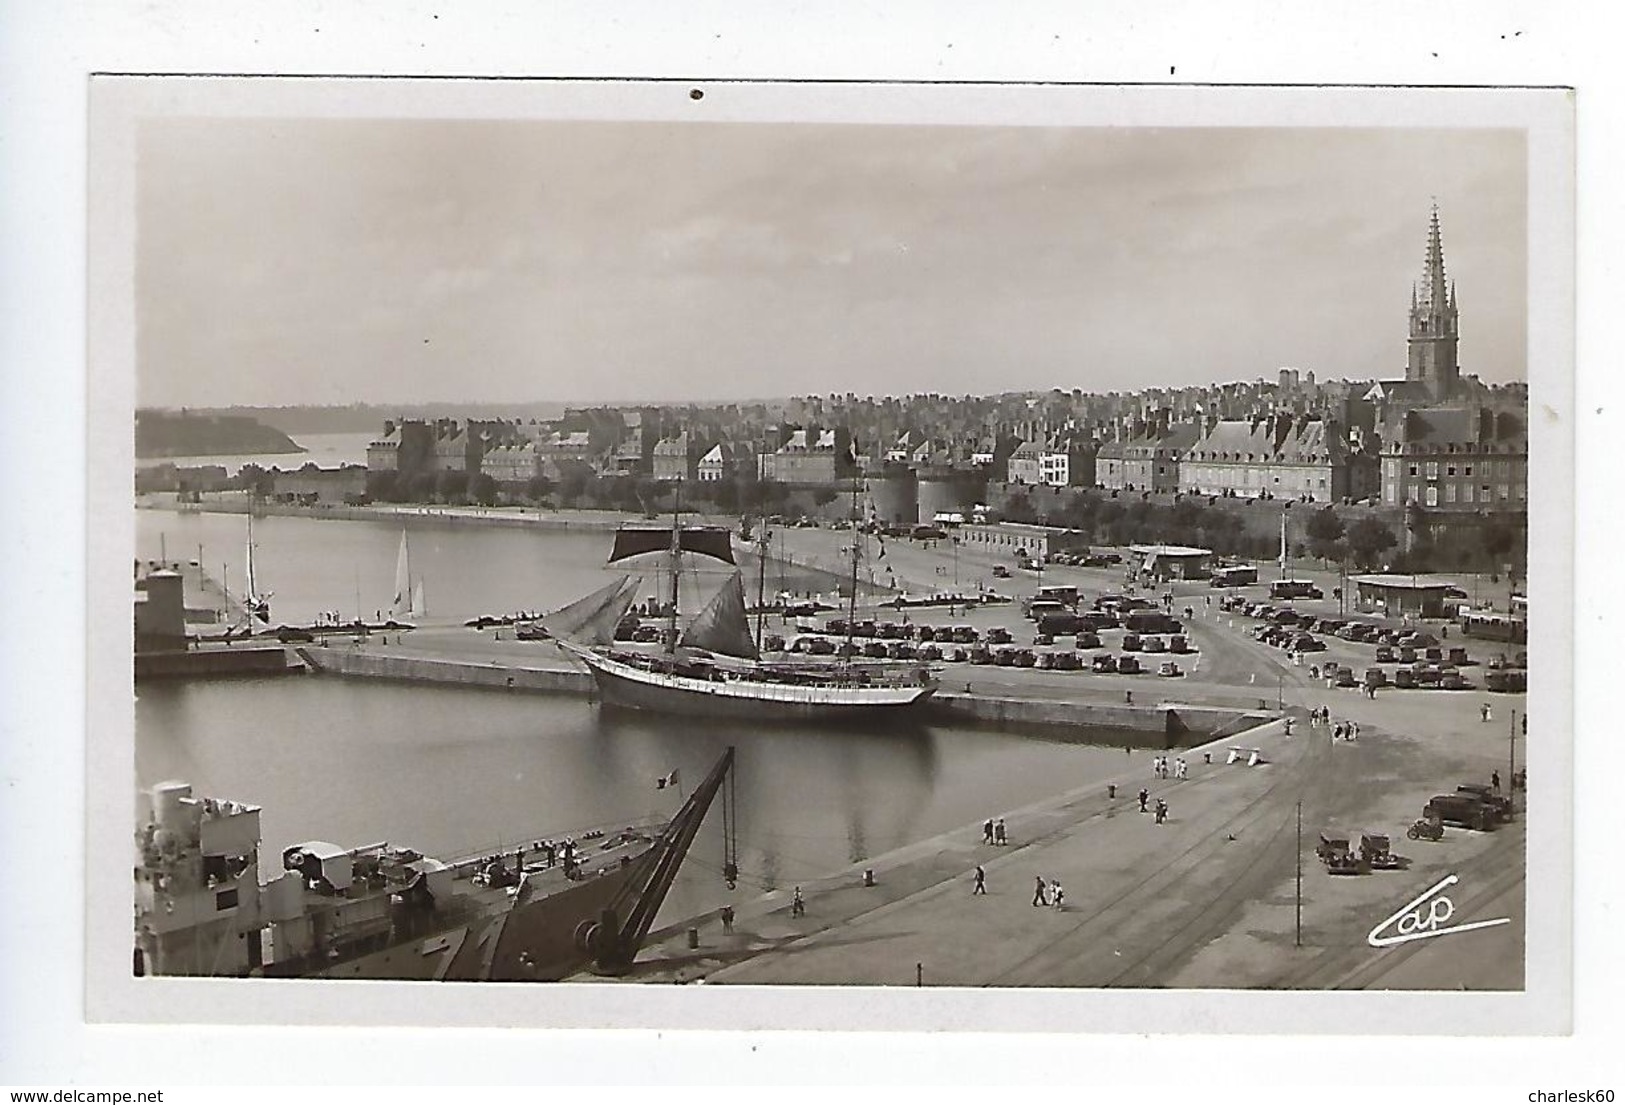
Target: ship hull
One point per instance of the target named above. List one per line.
(531, 942)
(640, 689)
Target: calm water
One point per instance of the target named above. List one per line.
(454, 771)
(323, 450)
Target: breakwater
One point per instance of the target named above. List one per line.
(201, 663)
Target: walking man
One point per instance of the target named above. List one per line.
(1484, 712)
(981, 882)
(1495, 780)
(728, 919)
(987, 831)
(998, 833)
(1145, 796)
(798, 907)
(1038, 893)
(1162, 811)
(1057, 894)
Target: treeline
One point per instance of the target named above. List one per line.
(1365, 541)
(159, 434)
(579, 488)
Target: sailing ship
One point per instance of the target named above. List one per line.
(408, 600)
(713, 666)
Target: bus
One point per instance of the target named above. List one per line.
(1490, 625)
(1295, 589)
(1239, 575)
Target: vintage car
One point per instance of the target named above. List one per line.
(1153, 644)
(1104, 662)
(1333, 850)
(1374, 851)
(1128, 665)
(1131, 642)
(1169, 668)
(1405, 678)
(1178, 643)
(1375, 677)
(1087, 640)
(1488, 795)
(1385, 654)
(1461, 809)
(1345, 677)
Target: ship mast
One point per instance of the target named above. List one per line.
(676, 568)
(852, 599)
(762, 540)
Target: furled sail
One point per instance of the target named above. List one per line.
(713, 541)
(721, 627)
(592, 620)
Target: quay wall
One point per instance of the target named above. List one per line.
(1180, 723)
(212, 662)
(1160, 724)
(415, 669)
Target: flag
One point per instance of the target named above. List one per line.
(666, 780)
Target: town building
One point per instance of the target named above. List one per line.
(1148, 459)
(1466, 459)
(1025, 464)
(810, 455)
(1164, 562)
(719, 463)
(676, 458)
(1396, 596)
(511, 463)
(1278, 457)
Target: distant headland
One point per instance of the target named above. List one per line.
(168, 434)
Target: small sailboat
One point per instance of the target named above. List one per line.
(408, 599)
(255, 602)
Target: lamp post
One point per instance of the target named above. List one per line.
(1298, 896)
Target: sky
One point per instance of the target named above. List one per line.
(305, 261)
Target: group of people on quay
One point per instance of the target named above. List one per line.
(993, 832)
(1340, 730)
(1161, 768)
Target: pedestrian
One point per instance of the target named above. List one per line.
(1314, 671)
(1057, 893)
(1484, 712)
(1145, 796)
(1495, 780)
(727, 919)
(1354, 730)
(1289, 726)
(1162, 811)
(998, 833)
(987, 831)
(1337, 731)
(981, 882)
(798, 907)
(1039, 893)
(1128, 698)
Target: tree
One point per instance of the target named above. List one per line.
(1367, 539)
(537, 487)
(482, 488)
(1325, 530)
(824, 496)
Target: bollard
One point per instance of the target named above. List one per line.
(1111, 790)
(868, 876)
(693, 937)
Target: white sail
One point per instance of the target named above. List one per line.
(418, 608)
(401, 603)
(256, 604)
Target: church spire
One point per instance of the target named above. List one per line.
(1434, 288)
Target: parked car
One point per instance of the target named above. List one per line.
(1067, 661)
(822, 646)
(1178, 643)
(981, 654)
(1345, 677)
(1458, 655)
(929, 652)
(1303, 642)
(1000, 572)
(1407, 654)
(1385, 654)
(1153, 644)
(1128, 665)
(1500, 803)
(1131, 642)
(1375, 677)
(1086, 639)
(1455, 681)
(1405, 678)
(1461, 809)
(1169, 668)
(998, 635)
(1105, 662)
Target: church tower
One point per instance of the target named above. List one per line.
(1434, 332)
